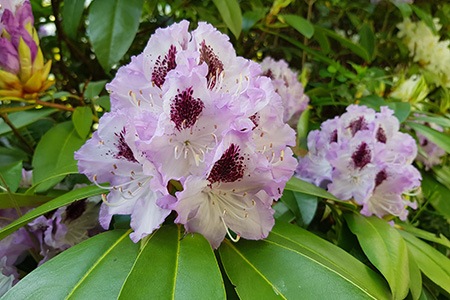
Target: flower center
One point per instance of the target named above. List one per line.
(215, 66)
(361, 157)
(229, 168)
(381, 176)
(381, 135)
(357, 125)
(334, 137)
(124, 150)
(185, 109)
(162, 67)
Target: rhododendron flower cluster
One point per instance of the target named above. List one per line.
(362, 156)
(427, 49)
(189, 112)
(286, 84)
(430, 154)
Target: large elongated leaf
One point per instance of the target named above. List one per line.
(293, 263)
(55, 152)
(385, 249)
(439, 138)
(231, 15)
(65, 199)
(300, 24)
(437, 194)
(172, 267)
(432, 263)
(23, 118)
(71, 17)
(297, 185)
(21, 200)
(82, 120)
(93, 269)
(112, 27)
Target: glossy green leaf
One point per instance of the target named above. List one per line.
(442, 121)
(298, 185)
(300, 24)
(9, 155)
(71, 16)
(293, 263)
(93, 269)
(401, 110)
(307, 204)
(282, 212)
(437, 194)
(439, 138)
(112, 27)
(367, 39)
(250, 18)
(24, 118)
(82, 120)
(65, 199)
(323, 41)
(10, 175)
(231, 14)
(302, 129)
(404, 8)
(54, 152)
(415, 277)
(104, 102)
(21, 200)
(170, 266)
(94, 88)
(420, 233)
(385, 249)
(431, 262)
(355, 48)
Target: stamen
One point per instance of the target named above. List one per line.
(234, 239)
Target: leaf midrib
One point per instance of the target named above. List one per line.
(98, 261)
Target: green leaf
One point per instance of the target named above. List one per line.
(355, 48)
(231, 14)
(401, 110)
(385, 249)
(367, 39)
(11, 174)
(24, 118)
(300, 24)
(293, 263)
(250, 18)
(439, 138)
(424, 16)
(94, 88)
(415, 277)
(9, 155)
(170, 266)
(431, 262)
(307, 204)
(298, 185)
(283, 213)
(420, 233)
(65, 199)
(21, 200)
(54, 152)
(112, 27)
(82, 120)
(323, 41)
(302, 128)
(404, 8)
(93, 269)
(71, 16)
(437, 194)
(442, 121)
(104, 102)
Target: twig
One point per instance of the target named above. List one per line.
(16, 132)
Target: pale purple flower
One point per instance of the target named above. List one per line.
(65, 227)
(287, 85)
(430, 154)
(189, 110)
(6, 281)
(362, 156)
(135, 185)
